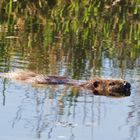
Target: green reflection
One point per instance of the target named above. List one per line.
(77, 33)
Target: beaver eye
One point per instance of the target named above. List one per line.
(96, 83)
(112, 83)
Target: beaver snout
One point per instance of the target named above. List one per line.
(127, 87)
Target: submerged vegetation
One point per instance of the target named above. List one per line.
(78, 29)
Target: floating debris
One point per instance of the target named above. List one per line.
(66, 124)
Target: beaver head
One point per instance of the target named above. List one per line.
(108, 87)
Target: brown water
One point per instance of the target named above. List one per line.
(104, 44)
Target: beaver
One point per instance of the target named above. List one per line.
(98, 86)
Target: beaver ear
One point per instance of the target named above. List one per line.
(96, 83)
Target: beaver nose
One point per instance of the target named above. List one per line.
(127, 85)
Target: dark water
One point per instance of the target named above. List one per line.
(78, 44)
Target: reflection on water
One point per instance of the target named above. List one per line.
(63, 112)
(79, 40)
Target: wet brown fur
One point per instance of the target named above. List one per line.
(98, 86)
(106, 87)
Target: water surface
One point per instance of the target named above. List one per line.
(70, 44)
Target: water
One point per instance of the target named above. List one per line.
(79, 40)
(63, 112)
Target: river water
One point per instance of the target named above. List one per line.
(80, 41)
(62, 112)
